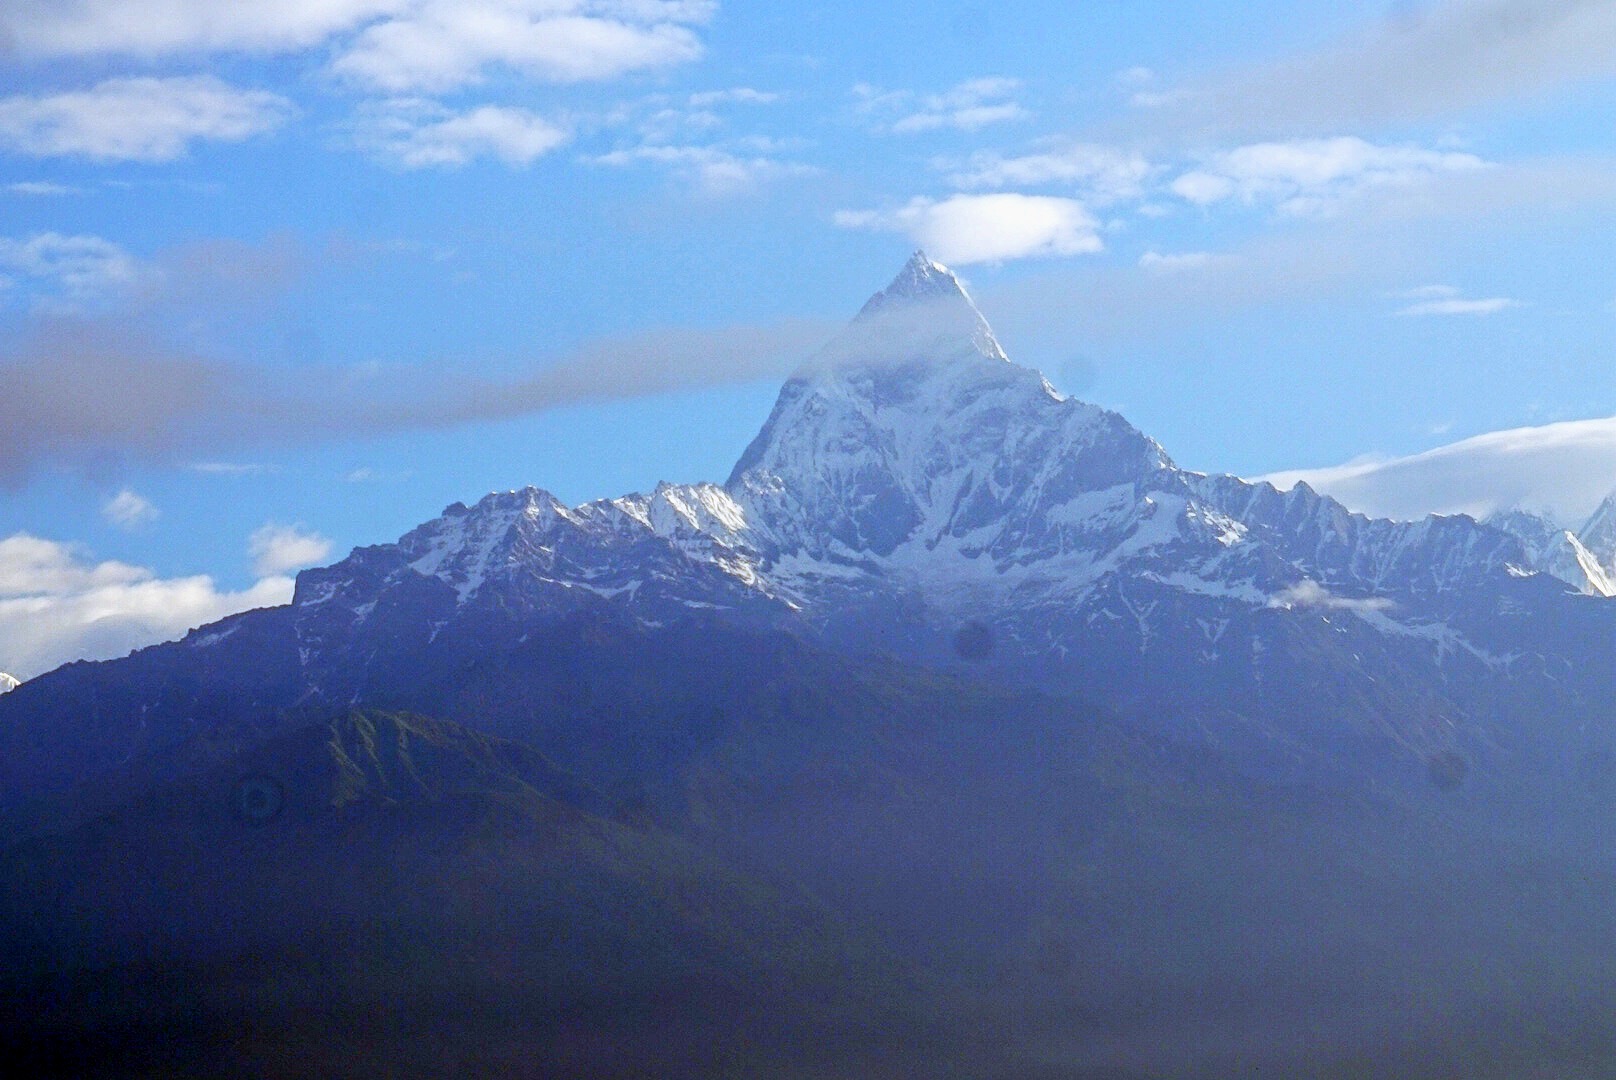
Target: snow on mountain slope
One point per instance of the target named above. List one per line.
(8, 683)
(1598, 536)
(918, 499)
(1557, 551)
(911, 459)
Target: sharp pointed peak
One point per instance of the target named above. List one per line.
(925, 306)
(921, 263)
(920, 280)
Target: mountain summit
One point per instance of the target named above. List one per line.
(924, 313)
(920, 279)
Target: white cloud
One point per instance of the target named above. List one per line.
(367, 475)
(128, 510)
(1428, 292)
(1489, 306)
(968, 106)
(230, 468)
(671, 125)
(1421, 61)
(30, 565)
(967, 229)
(1176, 262)
(392, 45)
(1310, 594)
(1161, 99)
(421, 134)
(57, 606)
(139, 119)
(1567, 468)
(739, 95)
(715, 171)
(156, 27)
(1446, 300)
(687, 125)
(1362, 251)
(669, 120)
(43, 188)
(1309, 176)
(1104, 174)
(276, 549)
(71, 268)
(438, 45)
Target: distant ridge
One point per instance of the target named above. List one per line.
(910, 484)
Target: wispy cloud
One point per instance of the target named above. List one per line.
(1447, 300)
(367, 475)
(1307, 176)
(662, 119)
(718, 170)
(81, 393)
(69, 269)
(137, 119)
(229, 468)
(416, 133)
(41, 189)
(1420, 62)
(128, 510)
(1365, 249)
(1102, 174)
(686, 136)
(968, 106)
(1310, 594)
(967, 229)
(58, 605)
(743, 95)
(1175, 262)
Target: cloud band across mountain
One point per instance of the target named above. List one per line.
(83, 395)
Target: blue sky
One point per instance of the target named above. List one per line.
(278, 280)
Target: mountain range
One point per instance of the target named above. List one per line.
(956, 687)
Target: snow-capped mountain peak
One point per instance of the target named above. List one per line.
(912, 476)
(913, 427)
(923, 316)
(921, 279)
(8, 683)
(909, 486)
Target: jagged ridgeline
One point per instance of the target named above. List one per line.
(959, 732)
